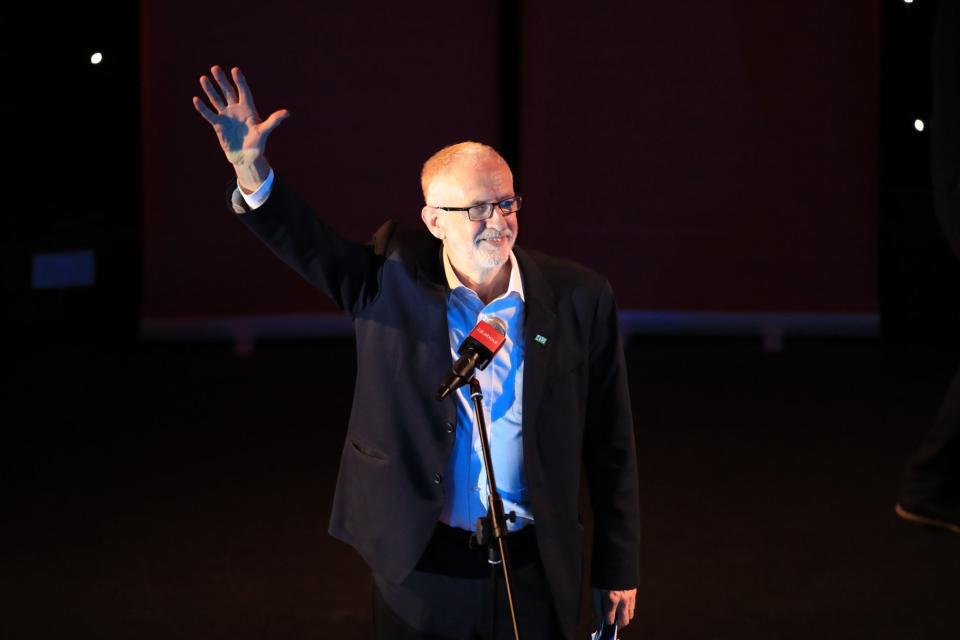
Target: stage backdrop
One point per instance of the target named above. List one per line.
(704, 156)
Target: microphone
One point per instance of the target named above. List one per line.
(476, 352)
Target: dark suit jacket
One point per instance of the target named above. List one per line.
(576, 405)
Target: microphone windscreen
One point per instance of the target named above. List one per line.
(490, 333)
(497, 324)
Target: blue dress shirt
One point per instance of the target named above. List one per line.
(466, 491)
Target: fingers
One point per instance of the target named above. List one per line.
(625, 610)
(623, 613)
(611, 605)
(212, 94)
(242, 87)
(605, 604)
(204, 110)
(615, 606)
(224, 83)
(274, 120)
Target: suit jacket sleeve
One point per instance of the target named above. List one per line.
(610, 456)
(346, 271)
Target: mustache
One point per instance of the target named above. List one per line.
(492, 234)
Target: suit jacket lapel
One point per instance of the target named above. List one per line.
(539, 322)
(431, 277)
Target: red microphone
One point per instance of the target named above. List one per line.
(476, 352)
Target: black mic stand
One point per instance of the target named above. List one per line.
(492, 530)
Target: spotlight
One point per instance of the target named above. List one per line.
(918, 124)
(96, 58)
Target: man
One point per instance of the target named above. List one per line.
(930, 491)
(410, 485)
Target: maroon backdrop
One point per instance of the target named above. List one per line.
(704, 156)
(373, 89)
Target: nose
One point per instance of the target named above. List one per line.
(497, 219)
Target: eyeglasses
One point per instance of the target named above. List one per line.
(484, 210)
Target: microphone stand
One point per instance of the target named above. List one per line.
(492, 530)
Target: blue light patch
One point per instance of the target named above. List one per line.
(63, 270)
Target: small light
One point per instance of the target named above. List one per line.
(96, 58)
(908, 1)
(918, 124)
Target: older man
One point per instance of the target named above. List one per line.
(411, 484)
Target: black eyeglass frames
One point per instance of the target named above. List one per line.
(484, 210)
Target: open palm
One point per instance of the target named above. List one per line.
(233, 116)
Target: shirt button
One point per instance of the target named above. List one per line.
(437, 478)
(449, 426)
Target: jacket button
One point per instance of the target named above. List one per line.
(437, 478)
(449, 426)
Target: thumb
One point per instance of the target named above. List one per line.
(274, 121)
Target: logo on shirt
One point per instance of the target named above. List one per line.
(541, 339)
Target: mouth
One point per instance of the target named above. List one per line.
(495, 241)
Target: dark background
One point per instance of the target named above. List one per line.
(706, 156)
(742, 157)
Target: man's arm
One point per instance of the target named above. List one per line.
(348, 272)
(344, 270)
(611, 466)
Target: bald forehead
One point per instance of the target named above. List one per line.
(468, 181)
(460, 160)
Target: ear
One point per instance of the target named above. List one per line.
(431, 218)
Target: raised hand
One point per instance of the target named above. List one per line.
(242, 133)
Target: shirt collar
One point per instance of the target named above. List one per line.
(514, 286)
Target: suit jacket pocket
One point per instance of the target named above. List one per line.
(367, 452)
